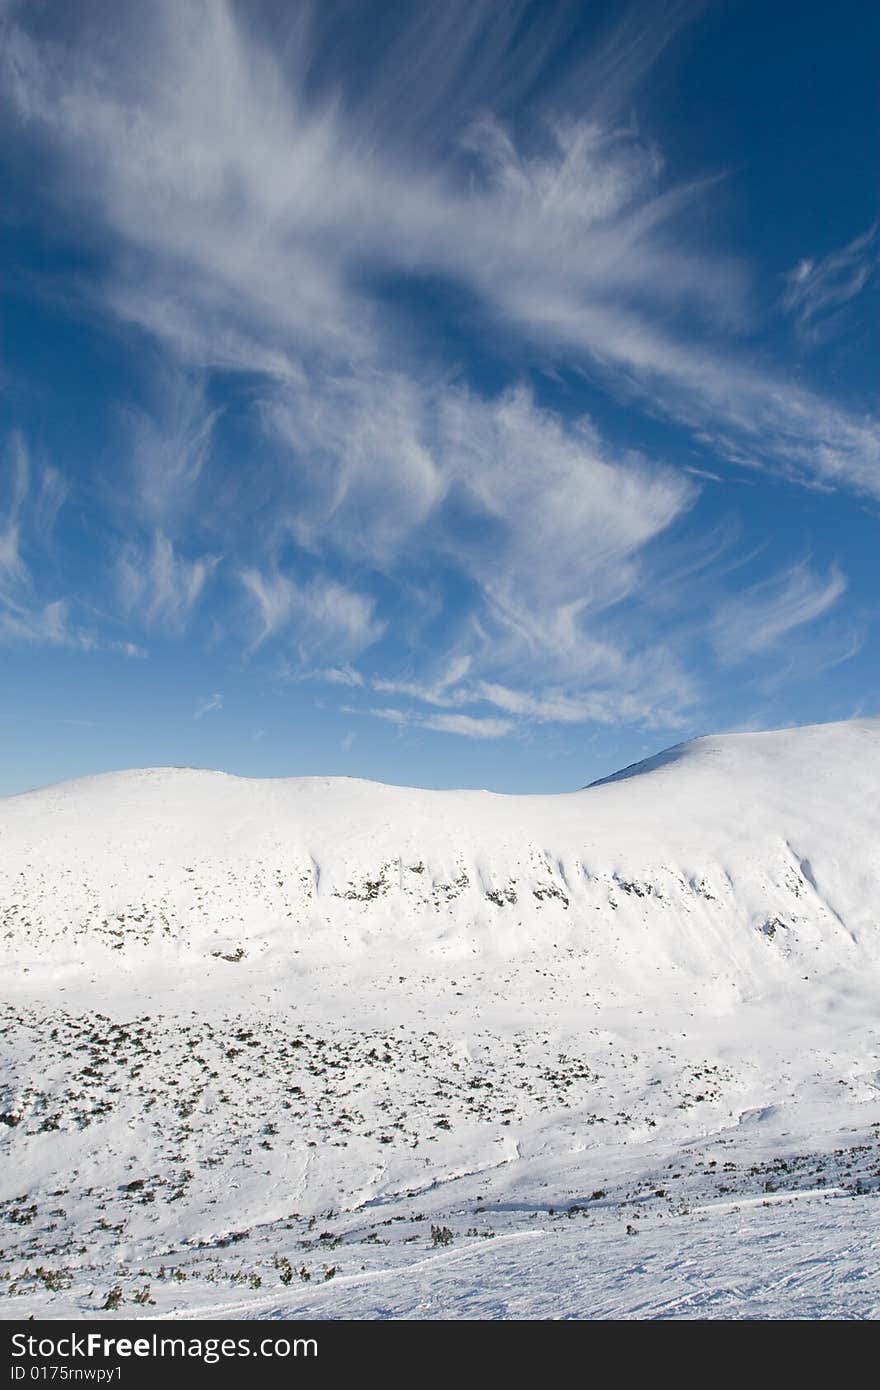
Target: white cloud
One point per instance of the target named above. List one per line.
(248, 219)
(543, 522)
(29, 506)
(546, 524)
(817, 289)
(465, 725)
(649, 688)
(50, 624)
(40, 623)
(358, 447)
(653, 703)
(10, 517)
(168, 448)
(321, 615)
(340, 675)
(158, 586)
(441, 691)
(254, 201)
(755, 621)
(559, 524)
(273, 598)
(215, 702)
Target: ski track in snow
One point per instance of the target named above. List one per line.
(323, 1048)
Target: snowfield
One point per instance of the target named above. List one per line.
(326, 1048)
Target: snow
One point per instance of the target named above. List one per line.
(264, 1037)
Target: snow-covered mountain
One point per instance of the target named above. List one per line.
(252, 1023)
(738, 857)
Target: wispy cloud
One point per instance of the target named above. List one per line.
(755, 621)
(544, 521)
(158, 586)
(464, 725)
(17, 487)
(51, 624)
(650, 689)
(816, 289)
(167, 448)
(257, 190)
(340, 675)
(568, 517)
(468, 727)
(660, 699)
(571, 241)
(46, 623)
(445, 689)
(320, 615)
(29, 506)
(215, 702)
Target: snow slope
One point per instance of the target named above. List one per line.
(251, 1023)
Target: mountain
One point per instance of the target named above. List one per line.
(260, 1029)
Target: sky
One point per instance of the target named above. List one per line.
(476, 394)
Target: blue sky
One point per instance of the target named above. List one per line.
(459, 395)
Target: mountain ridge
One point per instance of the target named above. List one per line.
(772, 835)
(673, 753)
